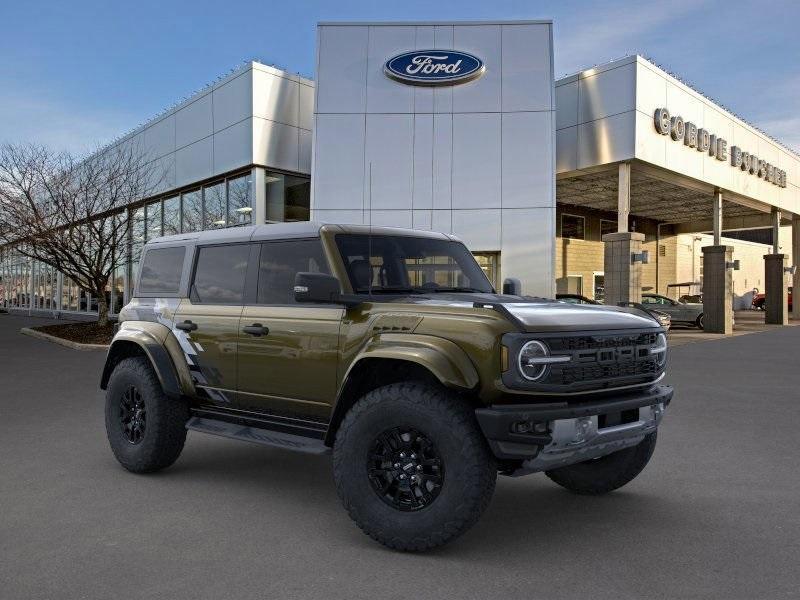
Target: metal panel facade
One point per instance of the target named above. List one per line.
(475, 159)
(606, 115)
(257, 115)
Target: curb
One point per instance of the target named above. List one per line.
(61, 341)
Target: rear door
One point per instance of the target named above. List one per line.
(208, 321)
(288, 352)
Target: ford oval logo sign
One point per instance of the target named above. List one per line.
(434, 67)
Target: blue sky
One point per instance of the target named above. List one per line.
(75, 74)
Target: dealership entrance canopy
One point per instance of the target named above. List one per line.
(635, 141)
(462, 128)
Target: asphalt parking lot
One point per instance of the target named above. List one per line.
(715, 515)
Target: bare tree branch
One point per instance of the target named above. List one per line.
(70, 213)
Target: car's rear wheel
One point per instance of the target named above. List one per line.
(700, 322)
(145, 429)
(411, 466)
(607, 473)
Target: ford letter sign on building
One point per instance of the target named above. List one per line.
(434, 67)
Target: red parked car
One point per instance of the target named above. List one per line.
(760, 299)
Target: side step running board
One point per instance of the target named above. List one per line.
(267, 437)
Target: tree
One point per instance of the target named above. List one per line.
(70, 213)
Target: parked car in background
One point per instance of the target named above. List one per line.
(759, 300)
(575, 299)
(662, 318)
(684, 313)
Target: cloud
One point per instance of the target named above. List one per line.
(33, 116)
(609, 31)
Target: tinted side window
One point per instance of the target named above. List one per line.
(220, 274)
(280, 262)
(161, 270)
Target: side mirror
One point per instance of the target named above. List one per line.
(512, 286)
(316, 287)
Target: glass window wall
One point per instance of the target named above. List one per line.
(240, 206)
(192, 211)
(172, 215)
(288, 197)
(215, 206)
(154, 228)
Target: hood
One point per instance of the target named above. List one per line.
(537, 314)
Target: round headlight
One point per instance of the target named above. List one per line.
(529, 360)
(660, 349)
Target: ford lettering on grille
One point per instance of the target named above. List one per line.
(434, 67)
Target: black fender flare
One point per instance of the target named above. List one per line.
(129, 342)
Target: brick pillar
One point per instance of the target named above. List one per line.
(623, 277)
(776, 290)
(796, 262)
(717, 289)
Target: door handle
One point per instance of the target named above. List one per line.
(186, 326)
(256, 329)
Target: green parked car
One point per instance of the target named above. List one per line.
(390, 349)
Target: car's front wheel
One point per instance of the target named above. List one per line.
(700, 322)
(607, 473)
(146, 430)
(412, 467)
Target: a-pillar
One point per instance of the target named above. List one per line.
(623, 275)
(796, 263)
(717, 288)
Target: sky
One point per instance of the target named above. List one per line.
(74, 75)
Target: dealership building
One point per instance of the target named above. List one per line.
(610, 182)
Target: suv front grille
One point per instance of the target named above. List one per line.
(604, 360)
(576, 374)
(597, 342)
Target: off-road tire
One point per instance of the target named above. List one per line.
(607, 473)
(700, 321)
(470, 471)
(165, 425)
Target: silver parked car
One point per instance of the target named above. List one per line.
(680, 312)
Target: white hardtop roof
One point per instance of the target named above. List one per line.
(300, 229)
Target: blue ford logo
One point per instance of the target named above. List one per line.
(434, 67)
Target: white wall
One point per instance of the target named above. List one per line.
(475, 159)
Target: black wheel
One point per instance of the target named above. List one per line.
(146, 430)
(412, 467)
(607, 473)
(700, 321)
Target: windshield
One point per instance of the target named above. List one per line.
(402, 264)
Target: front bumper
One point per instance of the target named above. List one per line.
(560, 434)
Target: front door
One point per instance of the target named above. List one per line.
(288, 352)
(207, 323)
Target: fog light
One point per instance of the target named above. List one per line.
(522, 427)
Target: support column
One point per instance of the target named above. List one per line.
(776, 231)
(623, 197)
(259, 196)
(796, 263)
(717, 217)
(623, 276)
(717, 289)
(776, 289)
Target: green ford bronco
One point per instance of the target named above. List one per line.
(390, 349)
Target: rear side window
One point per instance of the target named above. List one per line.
(161, 270)
(220, 274)
(280, 262)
